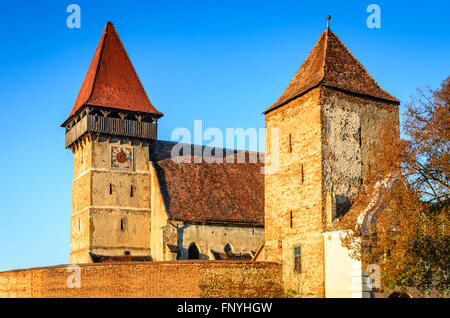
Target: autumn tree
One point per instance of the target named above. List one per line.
(404, 228)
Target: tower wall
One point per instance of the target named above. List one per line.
(325, 142)
(296, 188)
(352, 127)
(108, 218)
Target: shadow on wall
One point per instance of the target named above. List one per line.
(343, 204)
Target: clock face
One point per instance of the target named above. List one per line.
(122, 157)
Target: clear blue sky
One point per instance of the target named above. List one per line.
(221, 61)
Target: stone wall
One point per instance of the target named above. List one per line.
(293, 195)
(190, 279)
(352, 127)
(325, 142)
(107, 217)
(207, 237)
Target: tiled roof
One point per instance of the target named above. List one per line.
(230, 256)
(331, 64)
(209, 192)
(122, 258)
(111, 80)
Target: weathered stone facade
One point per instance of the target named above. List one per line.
(325, 141)
(296, 189)
(351, 130)
(108, 218)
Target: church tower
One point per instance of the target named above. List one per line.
(109, 131)
(328, 118)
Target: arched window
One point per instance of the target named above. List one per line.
(193, 252)
(228, 248)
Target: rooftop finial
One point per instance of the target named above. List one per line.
(328, 21)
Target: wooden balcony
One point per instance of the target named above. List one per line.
(111, 126)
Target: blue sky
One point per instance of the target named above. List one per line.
(220, 61)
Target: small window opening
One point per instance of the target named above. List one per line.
(122, 224)
(302, 174)
(110, 188)
(131, 191)
(360, 137)
(297, 260)
(290, 215)
(290, 143)
(127, 253)
(227, 248)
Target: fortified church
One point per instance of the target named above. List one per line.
(132, 202)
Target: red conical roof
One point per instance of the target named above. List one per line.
(331, 64)
(111, 80)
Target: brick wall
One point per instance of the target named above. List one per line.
(160, 279)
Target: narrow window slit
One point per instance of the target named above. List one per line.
(302, 174)
(290, 214)
(360, 137)
(290, 143)
(297, 260)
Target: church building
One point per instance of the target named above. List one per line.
(132, 201)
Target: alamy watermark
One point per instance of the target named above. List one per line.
(74, 279)
(73, 21)
(220, 147)
(364, 281)
(374, 19)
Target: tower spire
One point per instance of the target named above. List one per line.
(111, 80)
(331, 64)
(328, 21)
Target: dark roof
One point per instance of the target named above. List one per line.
(331, 64)
(111, 80)
(122, 258)
(172, 248)
(209, 192)
(231, 256)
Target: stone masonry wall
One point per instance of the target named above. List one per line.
(106, 218)
(351, 128)
(296, 189)
(190, 279)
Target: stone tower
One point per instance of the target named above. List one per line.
(108, 131)
(329, 116)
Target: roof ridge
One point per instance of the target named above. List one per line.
(325, 55)
(192, 144)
